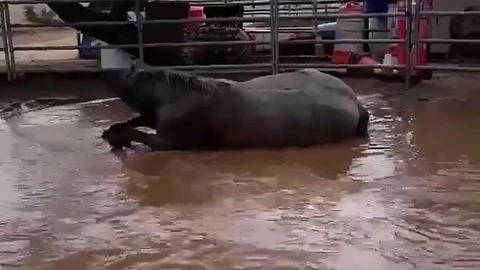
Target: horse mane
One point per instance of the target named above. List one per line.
(181, 80)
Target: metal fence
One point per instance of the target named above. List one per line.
(273, 13)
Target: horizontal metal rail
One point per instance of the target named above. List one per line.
(240, 67)
(31, 2)
(448, 68)
(287, 12)
(448, 41)
(446, 13)
(335, 66)
(232, 19)
(206, 43)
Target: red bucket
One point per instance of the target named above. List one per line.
(195, 12)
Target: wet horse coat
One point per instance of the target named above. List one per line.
(295, 109)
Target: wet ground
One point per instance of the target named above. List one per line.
(408, 198)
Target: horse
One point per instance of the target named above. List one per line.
(190, 113)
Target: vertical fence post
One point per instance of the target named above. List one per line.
(274, 35)
(5, 42)
(416, 24)
(277, 30)
(139, 23)
(408, 43)
(11, 50)
(315, 21)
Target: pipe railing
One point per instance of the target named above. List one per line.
(5, 47)
(276, 15)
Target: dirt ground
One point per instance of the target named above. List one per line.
(43, 37)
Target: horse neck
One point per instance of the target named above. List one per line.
(180, 84)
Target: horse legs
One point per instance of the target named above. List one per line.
(155, 142)
(116, 134)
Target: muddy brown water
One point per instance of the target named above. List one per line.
(407, 198)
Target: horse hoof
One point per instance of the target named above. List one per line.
(114, 129)
(116, 140)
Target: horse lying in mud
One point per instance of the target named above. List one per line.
(295, 109)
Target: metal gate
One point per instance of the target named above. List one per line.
(274, 13)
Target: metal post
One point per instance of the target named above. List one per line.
(408, 43)
(315, 12)
(272, 24)
(139, 23)
(5, 42)
(277, 29)
(11, 50)
(274, 35)
(416, 24)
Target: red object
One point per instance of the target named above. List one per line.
(341, 57)
(349, 7)
(365, 60)
(400, 33)
(195, 12)
(422, 33)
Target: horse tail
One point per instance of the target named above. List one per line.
(362, 124)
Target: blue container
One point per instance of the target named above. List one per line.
(87, 53)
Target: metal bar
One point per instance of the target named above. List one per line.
(21, 2)
(447, 68)
(416, 23)
(206, 43)
(266, 65)
(5, 42)
(232, 19)
(320, 65)
(147, 45)
(315, 12)
(408, 43)
(272, 36)
(139, 22)
(342, 41)
(154, 68)
(444, 41)
(447, 13)
(280, 30)
(285, 13)
(214, 68)
(11, 47)
(276, 58)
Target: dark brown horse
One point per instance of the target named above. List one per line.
(296, 109)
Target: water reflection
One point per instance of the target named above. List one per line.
(165, 178)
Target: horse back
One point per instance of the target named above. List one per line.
(285, 117)
(305, 80)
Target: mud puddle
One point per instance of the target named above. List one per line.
(407, 198)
